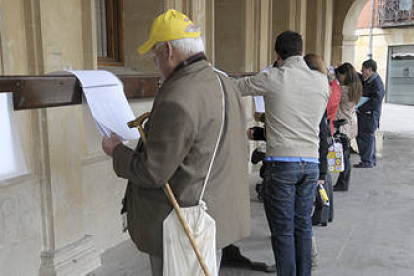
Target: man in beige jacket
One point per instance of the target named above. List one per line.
(182, 131)
(295, 100)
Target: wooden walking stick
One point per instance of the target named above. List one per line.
(138, 124)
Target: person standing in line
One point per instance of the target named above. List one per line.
(295, 101)
(369, 113)
(182, 132)
(351, 88)
(334, 99)
(322, 214)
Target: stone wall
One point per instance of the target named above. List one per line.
(64, 212)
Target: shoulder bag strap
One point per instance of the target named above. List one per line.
(223, 107)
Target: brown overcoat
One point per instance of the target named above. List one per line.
(182, 131)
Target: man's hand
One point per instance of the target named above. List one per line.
(259, 117)
(321, 181)
(108, 144)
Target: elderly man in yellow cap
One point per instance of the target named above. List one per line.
(185, 124)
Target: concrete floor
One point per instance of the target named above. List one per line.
(372, 231)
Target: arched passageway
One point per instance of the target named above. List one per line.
(345, 16)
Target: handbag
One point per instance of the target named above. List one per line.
(179, 258)
(336, 156)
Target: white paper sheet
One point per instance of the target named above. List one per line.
(259, 104)
(12, 161)
(96, 78)
(106, 99)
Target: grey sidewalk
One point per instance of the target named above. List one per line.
(371, 234)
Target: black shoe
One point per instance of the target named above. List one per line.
(339, 189)
(315, 223)
(363, 166)
(259, 187)
(318, 222)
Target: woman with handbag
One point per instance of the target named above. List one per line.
(351, 91)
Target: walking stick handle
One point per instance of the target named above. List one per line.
(138, 123)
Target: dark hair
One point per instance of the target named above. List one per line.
(370, 63)
(352, 81)
(315, 62)
(288, 44)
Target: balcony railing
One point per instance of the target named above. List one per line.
(395, 13)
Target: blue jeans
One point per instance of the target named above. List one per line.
(289, 191)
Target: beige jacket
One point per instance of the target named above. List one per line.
(182, 132)
(346, 110)
(295, 101)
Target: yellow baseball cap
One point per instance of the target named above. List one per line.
(170, 25)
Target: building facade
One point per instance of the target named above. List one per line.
(59, 217)
(392, 45)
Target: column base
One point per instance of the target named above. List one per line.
(77, 259)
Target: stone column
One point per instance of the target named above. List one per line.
(202, 14)
(258, 53)
(178, 5)
(320, 28)
(258, 34)
(20, 214)
(229, 35)
(296, 20)
(251, 52)
(312, 26)
(348, 48)
(265, 40)
(327, 31)
(33, 37)
(345, 17)
(89, 39)
(336, 49)
(67, 249)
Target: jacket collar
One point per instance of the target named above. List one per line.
(291, 60)
(371, 78)
(190, 60)
(188, 63)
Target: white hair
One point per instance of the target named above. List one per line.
(186, 46)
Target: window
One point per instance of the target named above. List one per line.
(109, 32)
(405, 5)
(393, 13)
(12, 161)
(400, 75)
